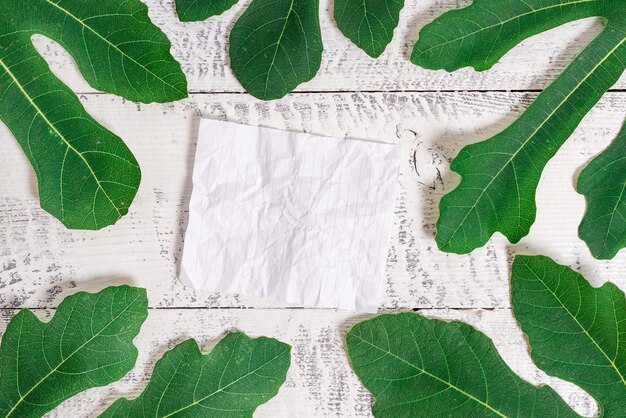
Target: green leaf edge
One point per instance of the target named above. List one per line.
(454, 323)
(182, 16)
(301, 80)
(582, 280)
(142, 294)
(604, 252)
(355, 40)
(197, 351)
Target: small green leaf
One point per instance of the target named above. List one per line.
(87, 177)
(368, 23)
(500, 175)
(576, 332)
(197, 10)
(237, 376)
(88, 343)
(275, 46)
(416, 366)
(603, 182)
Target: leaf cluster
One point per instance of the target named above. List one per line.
(500, 175)
(86, 176)
(89, 343)
(412, 364)
(276, 45)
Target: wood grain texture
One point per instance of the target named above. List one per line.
(42, 261)
(202, 50)
(320, 382)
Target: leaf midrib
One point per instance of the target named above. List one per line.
(280, 38)
(23, 397)
(613, 212)
(504, 22)
(452, 386)
(225, 387)
(65, 141)
(531, 136)
(583, 329)
(77, 19)
(369, 26)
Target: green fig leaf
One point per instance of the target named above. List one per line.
(88, 343)
(576, 332)
(275, 46)
(500, 175)
(237, 376)
(86, 176)
(368, 23)
(603, 182)
(415, 366)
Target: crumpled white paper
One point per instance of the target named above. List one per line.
(291, 217)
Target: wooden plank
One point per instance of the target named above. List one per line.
(320, 382)
(42, 261)
(202, 49)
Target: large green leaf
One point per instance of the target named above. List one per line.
(237, 376)
(603, 182)
(196, 10)
(576, 332)
(500, 175)
(275, 46)
(86, 176)
(88, 343)
(368, 23)
(416, 366)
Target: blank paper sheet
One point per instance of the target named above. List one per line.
(291, 217)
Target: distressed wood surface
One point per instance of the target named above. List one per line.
(353, 96)
(41, 260)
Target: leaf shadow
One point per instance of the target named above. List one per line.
(62, 289)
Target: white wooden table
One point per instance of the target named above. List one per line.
(430, 114)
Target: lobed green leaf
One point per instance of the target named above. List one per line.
(603, 182)
(86, 176)
(416, 366)
(500, 175)
(237, 376)
(88, 343)
(576, 332)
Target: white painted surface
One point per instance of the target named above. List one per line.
(41, 262)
